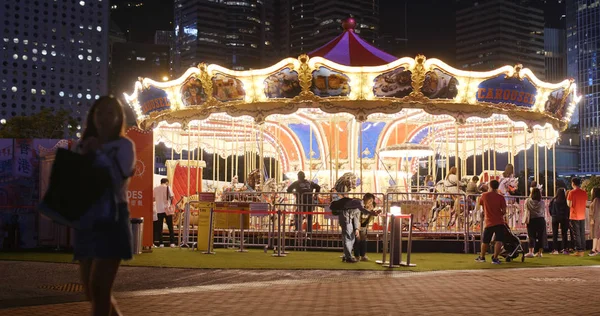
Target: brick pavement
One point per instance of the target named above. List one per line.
(556, 291)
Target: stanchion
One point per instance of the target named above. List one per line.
(279, 244)
(209, 248)
(383, 260)
(185, 241)
(242, 233)
(282, 238)
(409, 244)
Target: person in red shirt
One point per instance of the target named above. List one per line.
(494, 208)
(577, 200)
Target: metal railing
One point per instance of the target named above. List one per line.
(281, 220)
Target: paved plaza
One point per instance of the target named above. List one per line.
(159, 291)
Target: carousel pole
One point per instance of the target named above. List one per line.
(337, 149)
(215, 161)
(537, 149)
(456, 161)
(218, 165)
(494, 144)
(398, 164)
(525, 158)
(201, 149)
(360, 152)
(546, 169)
(482, 147)
(197, 158)
(188, 160)
(310, 152)
(225, 155)
(447, 154)
(554, 167)
(475, 149)
(331, 181)
(237, 155)
(232, 144)
(261, 148)
(512, 146)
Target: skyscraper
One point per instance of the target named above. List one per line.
(309, 24)
(494, 33)
(235, 34)
(583, 43)
(54, 55)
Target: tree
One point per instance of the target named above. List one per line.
(589, 184)
(44, 124)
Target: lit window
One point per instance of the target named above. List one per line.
(267, 43)
(15, 56)
(82, 3)
(34, 58)
(89, 58)
(24, 57)
(79, 95)
(62, 94)
(140, 58)
(88, 96)
(33, 91)
(43, 92)
(16, 41)
(97, 97)
(98, 59)
(80, 57)
(53, 53)
(14, 89)
(44, 52)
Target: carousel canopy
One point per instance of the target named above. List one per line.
(350, 50)
(347, 101)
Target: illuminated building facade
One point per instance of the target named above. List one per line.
(54, 55)
(235, 34)
(309, 24)
(583, 45)
(493, 33)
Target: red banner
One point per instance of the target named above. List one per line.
(140, 188)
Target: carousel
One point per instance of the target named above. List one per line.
(349, 107)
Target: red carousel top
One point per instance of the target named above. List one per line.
(351, 50)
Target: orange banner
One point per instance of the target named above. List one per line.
(140, 188)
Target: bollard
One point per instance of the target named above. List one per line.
(279, 252)
(137, 230)
(242, 234)
(210, 235)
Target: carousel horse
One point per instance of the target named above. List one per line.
(445, 202)
(508, 186)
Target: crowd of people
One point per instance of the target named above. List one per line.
(567, 211)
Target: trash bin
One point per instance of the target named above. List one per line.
(137, 229)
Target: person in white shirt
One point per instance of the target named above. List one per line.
(163, 197)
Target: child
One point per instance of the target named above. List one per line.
(366, 217)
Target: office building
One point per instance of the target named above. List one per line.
(54, 55)
(494, 33)
(583, 48)
(234, 34)
(163, 38)
(309, 24)
(555, 54)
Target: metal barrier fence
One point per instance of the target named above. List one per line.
(281, 220)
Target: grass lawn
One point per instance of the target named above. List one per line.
(257, 259)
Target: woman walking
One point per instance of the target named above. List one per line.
(104, 237)
(536, 224)
(559, 210)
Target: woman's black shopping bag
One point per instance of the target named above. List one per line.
(75, 184)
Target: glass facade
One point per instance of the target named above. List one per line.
(234, 34)
(495, 33)
(583, 44)
(310, 24)
(54, 55)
